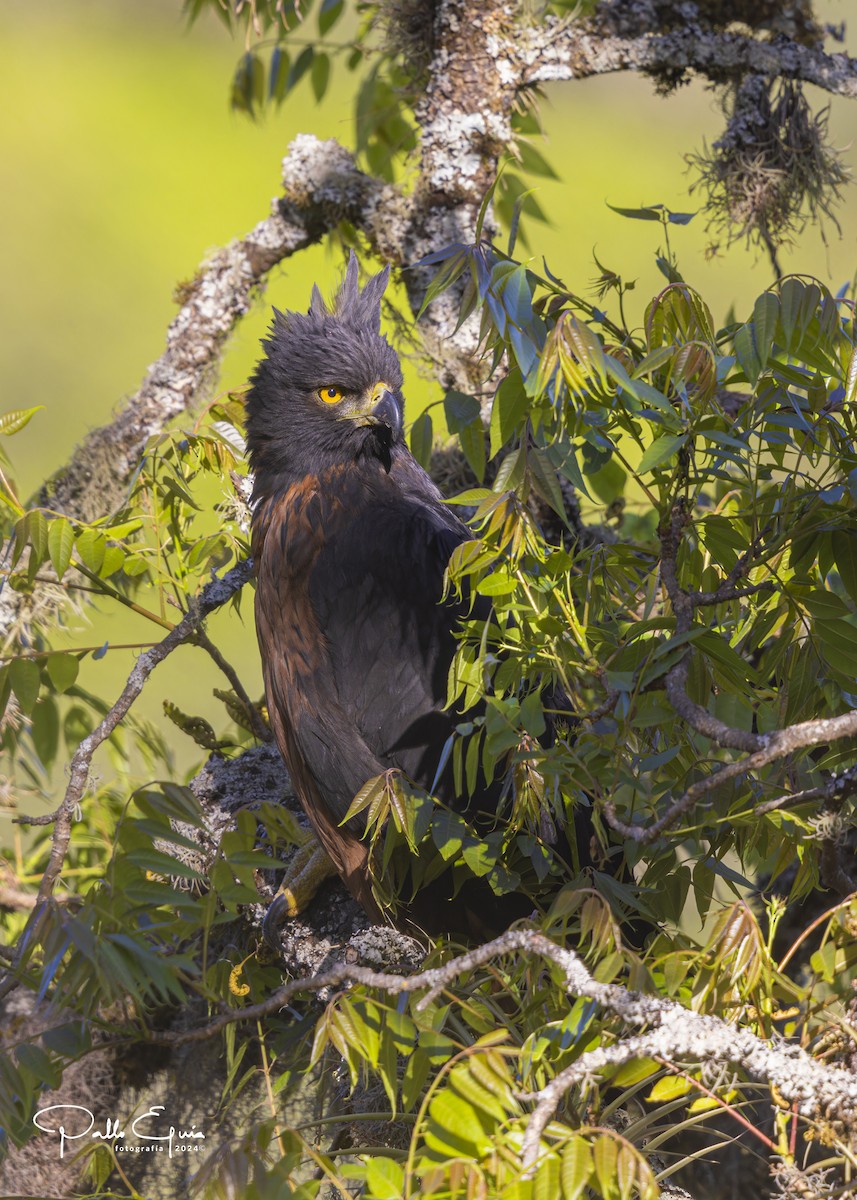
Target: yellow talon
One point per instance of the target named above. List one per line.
(306, 871)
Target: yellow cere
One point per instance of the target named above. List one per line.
(330, 395)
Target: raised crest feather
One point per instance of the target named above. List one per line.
(317, 306)
(350, 304)
(361, 308)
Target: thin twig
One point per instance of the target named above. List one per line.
(725, 593)
(697, 717)
(774, 746)
(260, 729)
(213, 596)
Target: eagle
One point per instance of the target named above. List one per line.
(350, 542)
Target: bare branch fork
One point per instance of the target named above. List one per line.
(213, 596)
(763, 749)
(669, 1031)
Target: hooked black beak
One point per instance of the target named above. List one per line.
(387, 413)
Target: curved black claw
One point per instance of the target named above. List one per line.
(273, 921)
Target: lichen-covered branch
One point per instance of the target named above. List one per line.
(561, 50)
(95, 478)
(669, 1031)
(321, 187)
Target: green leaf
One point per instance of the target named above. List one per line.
(45, 730)
(508, 410)
(634, 1072)
(150, 859)
(39, 1064)
(607, 481)
(62, 670)
(765, 316)
(455, 1129)
(627, 1163)
(15, 420)
(545, 482)
(478, 856)
(25, 678)
(823, 604)
(586, 347)
(450, 270)
(669, 1088)
(472, 439)
(70, 1040)
(575, 1168)
(248, 84)
(5, 689)
(661, 450)
(448, 833)
(422, 439)
(532, 161)
(851, 381)
(90, 546)
(791, 295)
(844, 544)
(278, 75)
(474, 1091)
(386, 1178)
(320, 75)
(639, 214)
(37, 531)
(60, 544)
(388, 1066)
(604, 1156)
(460, 410)
(414, 1078)
(839, 642)
(746, 353)
(546, 1183)
(329, 14)
(300, 66)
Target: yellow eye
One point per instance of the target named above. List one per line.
(330, 395)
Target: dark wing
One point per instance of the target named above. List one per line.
(320, 746)
(356, 644)
(377, 591)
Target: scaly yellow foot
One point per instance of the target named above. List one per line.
(306, 871)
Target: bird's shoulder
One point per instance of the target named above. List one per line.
(397, 529)
(362, 519)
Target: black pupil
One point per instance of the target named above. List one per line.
(331, 392)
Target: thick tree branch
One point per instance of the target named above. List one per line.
(95, 478)
(671, 1032)
(561, 50)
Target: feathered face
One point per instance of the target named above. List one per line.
(328, 390)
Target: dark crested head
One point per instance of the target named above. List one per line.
(329, 389)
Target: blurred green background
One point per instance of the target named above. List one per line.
(122, 166)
